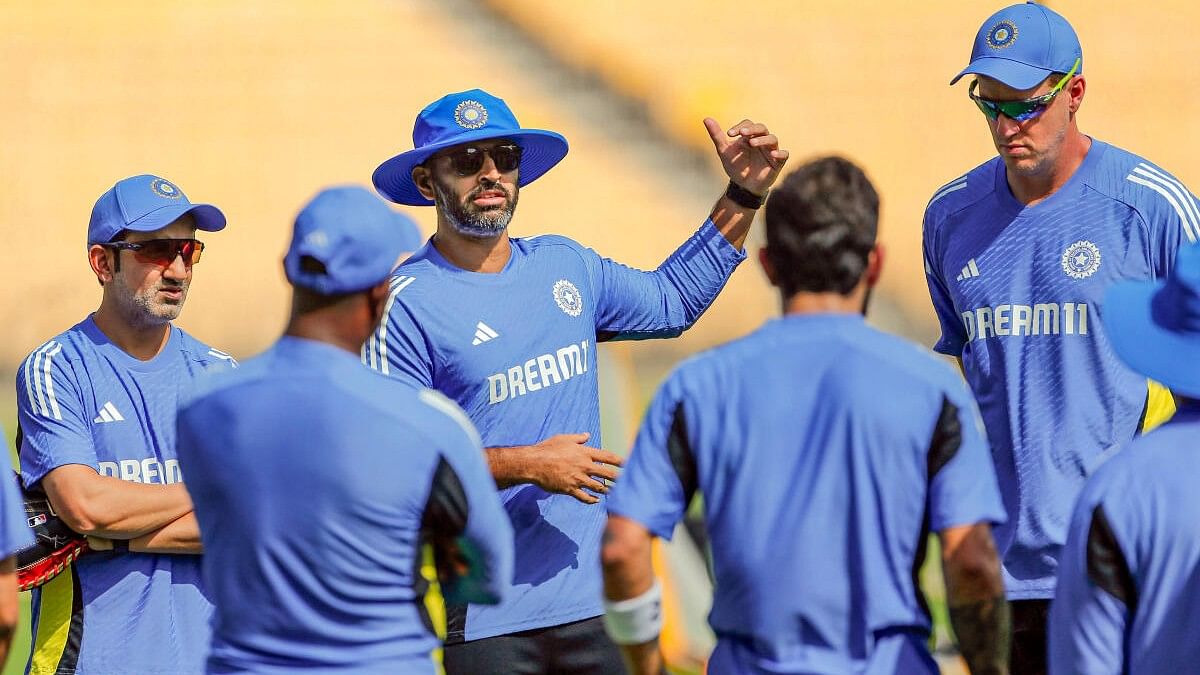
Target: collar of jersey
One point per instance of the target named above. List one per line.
(164, 359)
(435, 257)
(1062, 195)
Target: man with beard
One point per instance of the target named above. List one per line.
(96, 408)
(506, 327)
(1018, 254)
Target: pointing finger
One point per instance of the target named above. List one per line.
(714, 132)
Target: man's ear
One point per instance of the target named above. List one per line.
(875, 265)
(424, 181)
(1076, 89)
(768, 268)
(102, 265)
(378, 296)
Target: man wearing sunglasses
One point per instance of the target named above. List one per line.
(96, 408)
(507, 328)
(1018, 254)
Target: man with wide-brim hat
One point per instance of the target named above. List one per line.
(507, 328)
(1128, 584)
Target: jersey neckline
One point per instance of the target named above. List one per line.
(164, 359)
(1065, 193)
(438, 260)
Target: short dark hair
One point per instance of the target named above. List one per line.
(821, 226)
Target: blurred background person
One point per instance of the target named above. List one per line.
(318, 483)
(1128, 597)
(826, 451)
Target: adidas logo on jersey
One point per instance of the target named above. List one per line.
(484, 333)
(969, 272)
(109, 413)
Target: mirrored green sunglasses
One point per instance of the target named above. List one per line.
(1021, 111)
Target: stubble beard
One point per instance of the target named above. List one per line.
(470, 221)
(145, 309)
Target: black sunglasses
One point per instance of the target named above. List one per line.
(162, 251)
(467, 161)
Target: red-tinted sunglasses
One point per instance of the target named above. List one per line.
(162, 251)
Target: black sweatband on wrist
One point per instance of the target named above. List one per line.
(743, 197)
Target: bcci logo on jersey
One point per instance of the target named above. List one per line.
(568, 298)
(1081, 260)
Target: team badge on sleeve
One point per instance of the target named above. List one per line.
(1002, 35)
(1081, 260)
(568, 298)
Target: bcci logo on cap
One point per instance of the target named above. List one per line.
(1002, 35)
(470, 114)
(568, 298)
(164, 189)
(1081, 260)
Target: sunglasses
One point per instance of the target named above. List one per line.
(1020, 111)
(162, 252)
(469, 160)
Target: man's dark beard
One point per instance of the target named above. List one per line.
(479, 223)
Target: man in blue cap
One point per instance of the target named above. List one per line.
(96, 411)
(1018, 253)
(1128, 596)
(313, 540)
(507, 327)
(826, 452)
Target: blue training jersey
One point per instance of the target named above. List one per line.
(1128, 597)
(313, 554)
(1019, 293)
(517, 351)
(83, 400)
(14, 530)
(826, 452)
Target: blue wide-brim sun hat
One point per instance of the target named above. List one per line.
(1155, 326)
(457, 119)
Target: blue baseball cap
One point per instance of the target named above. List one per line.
(1155, 326)
(465, 117)
(146, 203)
(346, 240)
(1022, 45)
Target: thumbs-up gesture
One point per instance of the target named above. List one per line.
(749, 152)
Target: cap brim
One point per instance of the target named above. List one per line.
(208, 218)
(1161, 355)
(540, 151)
(1008, 72)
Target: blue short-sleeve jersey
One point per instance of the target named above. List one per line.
(826, 451)
(1128, 596)
(517, 351)
(312, 554)
(1019, 295)
(83, 400)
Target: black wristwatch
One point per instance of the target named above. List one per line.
(743, 197)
